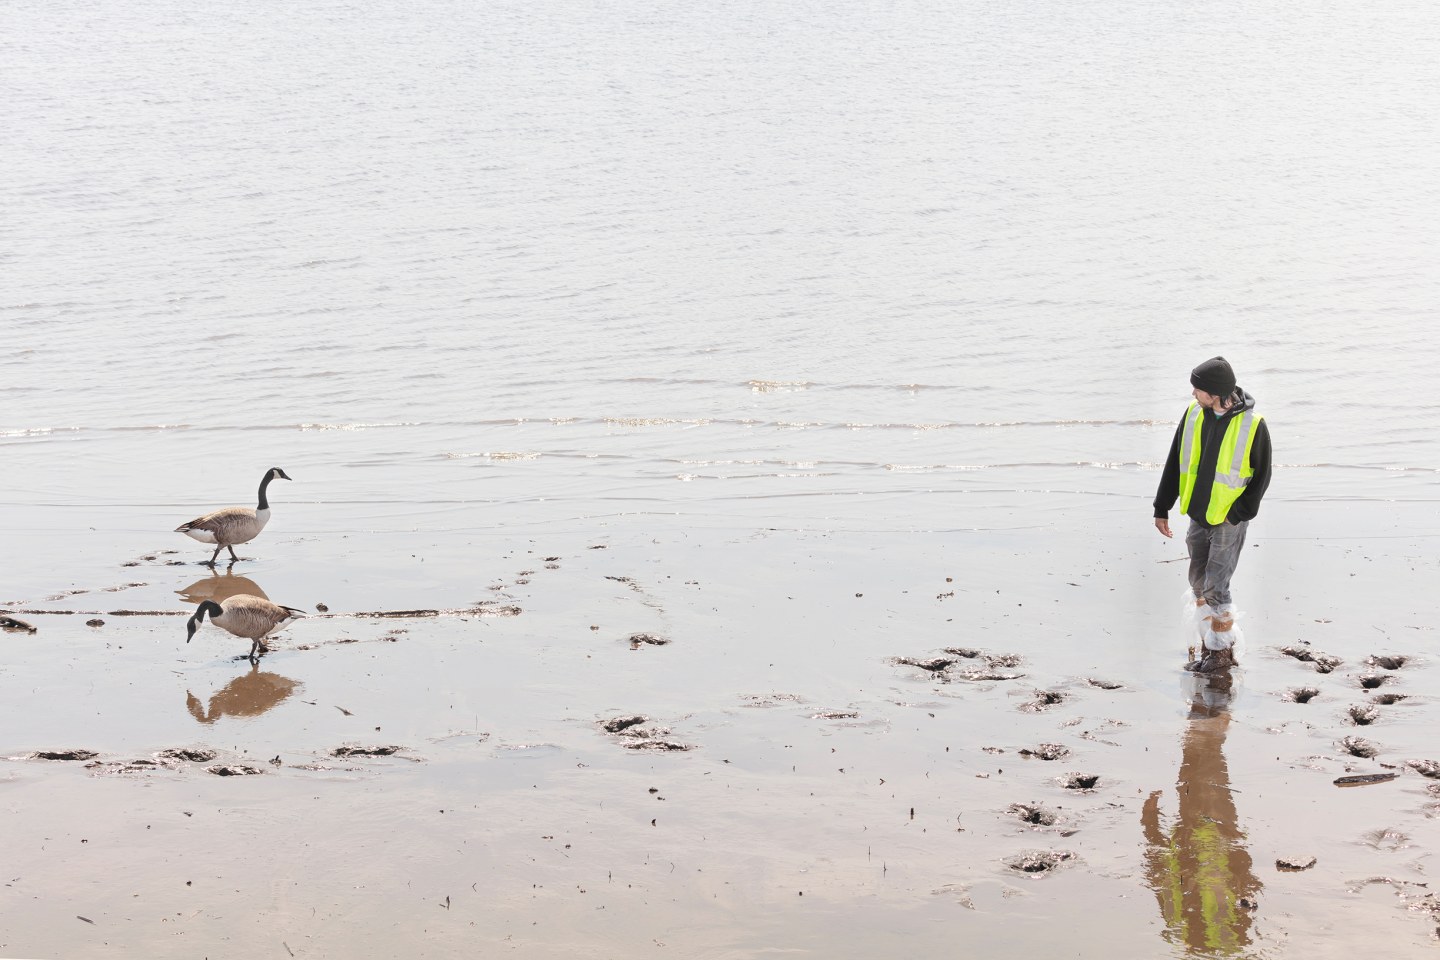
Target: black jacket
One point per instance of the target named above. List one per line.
(1212, 433)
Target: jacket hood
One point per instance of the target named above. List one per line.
(1243, 402)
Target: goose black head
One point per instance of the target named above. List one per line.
(206, 606)
(277, 474)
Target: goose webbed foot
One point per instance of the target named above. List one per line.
(233, 558)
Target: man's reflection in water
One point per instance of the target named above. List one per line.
(248, 695)
(1201, 872)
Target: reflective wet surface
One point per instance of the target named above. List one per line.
(792, 378)
(829, 794)
(1199, 863)
(221, 586)
(248, 695)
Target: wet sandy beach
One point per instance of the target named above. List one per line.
(748, 416)
(432, 785)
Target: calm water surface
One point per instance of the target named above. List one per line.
(736, 261)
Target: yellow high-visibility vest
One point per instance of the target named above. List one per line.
(1232, 466)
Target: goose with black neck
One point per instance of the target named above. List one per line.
(244, 616)
(231, 525)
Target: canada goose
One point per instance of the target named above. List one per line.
(233, 525)
(244, 616)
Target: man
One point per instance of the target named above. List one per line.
(1218, 467)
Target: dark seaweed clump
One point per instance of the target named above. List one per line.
(384, 751)
(64, 755)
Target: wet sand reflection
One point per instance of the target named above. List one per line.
(1201, 872)
(248, 695)
(219, 587)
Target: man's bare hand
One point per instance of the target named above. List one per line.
(1163, 525)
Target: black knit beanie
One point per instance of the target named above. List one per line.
(1214, 376)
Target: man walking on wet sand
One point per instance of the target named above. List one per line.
(1218, 467)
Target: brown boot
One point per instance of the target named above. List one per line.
(1214, 661)
(1214, 626)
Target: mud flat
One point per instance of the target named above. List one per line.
(503, 765)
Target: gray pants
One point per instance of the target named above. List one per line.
(1214, 554)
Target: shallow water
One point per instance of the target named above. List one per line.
(777, 306)
(833, 796)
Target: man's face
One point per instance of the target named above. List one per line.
(1207, 400)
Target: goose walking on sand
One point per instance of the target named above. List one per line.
(233, 525)
(244, 616)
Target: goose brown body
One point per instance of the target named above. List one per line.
(231, 525)
(252, 618)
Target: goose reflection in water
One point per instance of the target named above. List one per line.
(220, 587)
(248, 695)
(1200, 871)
